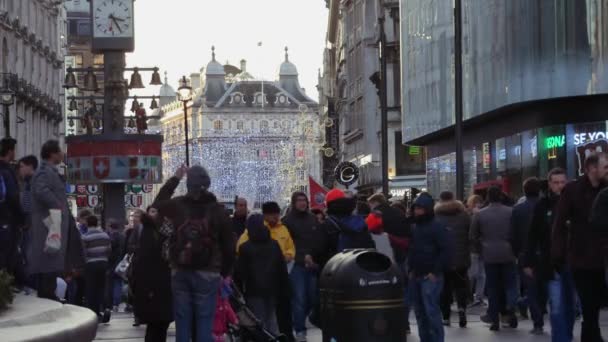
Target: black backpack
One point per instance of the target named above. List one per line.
(194, 244)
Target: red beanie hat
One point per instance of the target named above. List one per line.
(333, 195)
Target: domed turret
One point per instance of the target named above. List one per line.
(215, 84)
(214, 68)
(288, 79)
(167, 93)
(288, 68)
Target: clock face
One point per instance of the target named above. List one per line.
(112, 18)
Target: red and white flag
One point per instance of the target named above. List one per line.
(317, 194)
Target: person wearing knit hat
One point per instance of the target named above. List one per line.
(343, 229)
(203, 261)
(260, 271)
(334, 194)
(278, 231)
(428, 258)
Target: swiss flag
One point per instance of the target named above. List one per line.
(101, 167)
(317, 194)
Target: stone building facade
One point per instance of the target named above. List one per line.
(349, 88)
(32, 38)
(259, 139)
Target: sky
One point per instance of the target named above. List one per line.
(177, 35)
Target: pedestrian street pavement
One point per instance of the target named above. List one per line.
(120, 329)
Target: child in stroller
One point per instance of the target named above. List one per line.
(261, 273)
(249, 328)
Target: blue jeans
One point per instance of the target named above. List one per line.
(194, 299)
(561, 302)
(116, 290)
(425, 297)
(304, 287)
(501, 277)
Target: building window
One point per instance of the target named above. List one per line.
(218, 125)
(239, 125)
(264, 126)
(277, 125)
(98, 60)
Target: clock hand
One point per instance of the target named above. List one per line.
(117, 25)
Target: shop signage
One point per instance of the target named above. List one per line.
(555, 141)
(414, 150)
(95, 162)
(347, 173)
(584, 150)
(582, 138)
(487, 157)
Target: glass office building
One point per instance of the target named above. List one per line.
(532, 70)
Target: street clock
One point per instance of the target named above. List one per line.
(112, 25)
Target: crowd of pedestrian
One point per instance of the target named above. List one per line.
(179, 260)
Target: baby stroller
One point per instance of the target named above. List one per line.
(249, 328)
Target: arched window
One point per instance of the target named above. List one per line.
(239, 125)
(218, 125)
(277, 125)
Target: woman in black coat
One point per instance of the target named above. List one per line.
(151, 283)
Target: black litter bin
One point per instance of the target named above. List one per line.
(362, 299)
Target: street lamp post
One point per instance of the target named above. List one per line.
(7, 98)
(383, 105)
(185, 95)
(458, 99)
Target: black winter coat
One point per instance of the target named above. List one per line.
(537, 252)
(151, 278)
(260, 268)
(521, 219)
(306, 235)
(452, 215)
(574, 239)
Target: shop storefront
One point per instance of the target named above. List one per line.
(508, 161)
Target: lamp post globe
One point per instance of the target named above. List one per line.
(185, 95)
(184, 90)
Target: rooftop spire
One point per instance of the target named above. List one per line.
(166, 78)
(286, 54)
(213, 52)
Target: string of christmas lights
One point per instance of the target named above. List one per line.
(262, 166)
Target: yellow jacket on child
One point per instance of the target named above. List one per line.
(281, 235)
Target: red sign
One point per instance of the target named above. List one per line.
(101, 167)
(81, 189)
(92, 161)
(81, 201)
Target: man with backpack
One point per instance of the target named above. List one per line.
(11, 212)
(343, 230)
(201, 252)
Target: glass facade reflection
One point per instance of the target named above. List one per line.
(513, 51)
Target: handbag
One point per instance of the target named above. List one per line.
(122, 269)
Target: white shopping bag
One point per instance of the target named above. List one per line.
(383, 245)
(53, 238)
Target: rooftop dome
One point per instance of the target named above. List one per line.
(166, 90)
(288, 68)
(214, 68)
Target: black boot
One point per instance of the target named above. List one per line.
(462, 318)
